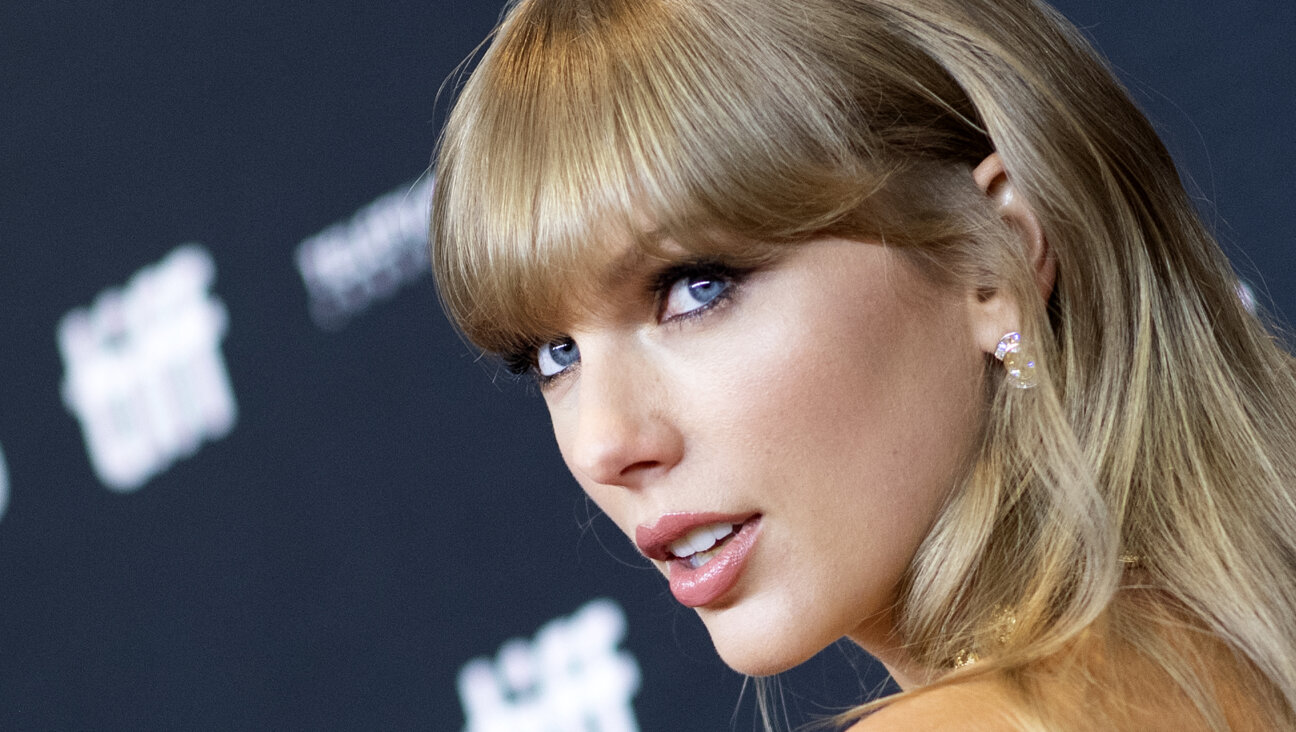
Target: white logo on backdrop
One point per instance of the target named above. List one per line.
(352, 264)
(570, 678)
(4, 484)
(144, 372)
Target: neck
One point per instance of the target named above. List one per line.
(877, 636)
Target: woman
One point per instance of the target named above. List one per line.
(889, 319)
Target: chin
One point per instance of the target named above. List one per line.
(758, 649)
(761, 659)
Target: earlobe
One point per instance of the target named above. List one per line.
(998, 314)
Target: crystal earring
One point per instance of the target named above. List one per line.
(1018, 361)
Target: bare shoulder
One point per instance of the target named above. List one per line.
(974, 706)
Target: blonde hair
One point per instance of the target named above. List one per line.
(1165, 428)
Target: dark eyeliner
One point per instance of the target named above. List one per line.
(524, 364)
(519, 363)
(660, 284)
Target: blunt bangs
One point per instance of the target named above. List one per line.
(593, 125)
(603, 124)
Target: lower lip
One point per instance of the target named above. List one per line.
(708, 583)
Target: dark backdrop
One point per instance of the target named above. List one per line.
(305, 504)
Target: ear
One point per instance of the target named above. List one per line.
(997, 314)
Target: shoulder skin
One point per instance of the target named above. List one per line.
(975, 706)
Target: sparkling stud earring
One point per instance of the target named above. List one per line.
(1018, 361)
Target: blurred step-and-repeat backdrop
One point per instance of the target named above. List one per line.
(249, 477)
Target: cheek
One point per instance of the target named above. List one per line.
(839, 385)
(852, 416)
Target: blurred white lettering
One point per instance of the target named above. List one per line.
(351, 264)
(571, 678)
(144, 372)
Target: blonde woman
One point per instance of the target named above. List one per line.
(889, 320)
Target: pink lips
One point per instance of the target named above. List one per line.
(696, 587)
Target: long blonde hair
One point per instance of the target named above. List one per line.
(1165, 430)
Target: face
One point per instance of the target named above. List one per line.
(777, 441)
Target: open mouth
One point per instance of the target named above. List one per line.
(702, 544)
(707, 561)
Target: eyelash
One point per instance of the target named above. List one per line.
(665, 280)
(521, 363)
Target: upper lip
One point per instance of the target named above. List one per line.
(655, 539)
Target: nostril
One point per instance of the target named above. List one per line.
(641, 466)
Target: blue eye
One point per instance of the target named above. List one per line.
(694, 292)
(554, 357)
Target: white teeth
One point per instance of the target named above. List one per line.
(697, 540)
(700, 540)
(701, 558)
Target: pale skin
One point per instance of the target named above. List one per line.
(835, 392)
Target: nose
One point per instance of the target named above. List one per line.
(620, 430)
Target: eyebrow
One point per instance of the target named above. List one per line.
(634, 275)
(648, 252)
